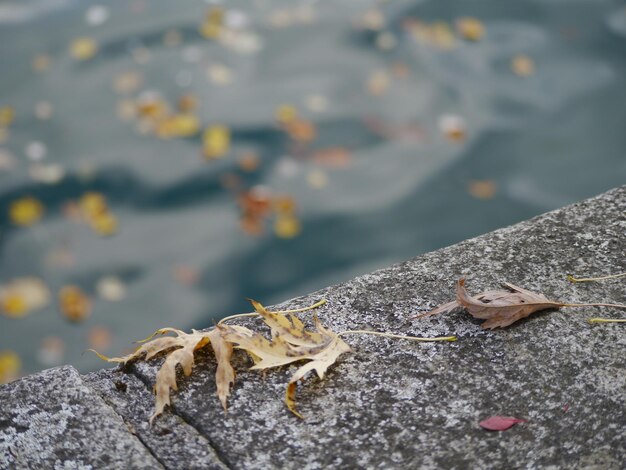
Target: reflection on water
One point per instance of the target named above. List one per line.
(160, 162)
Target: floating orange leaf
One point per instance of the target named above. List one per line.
(470, 28)
(523, 65)
(74, 303)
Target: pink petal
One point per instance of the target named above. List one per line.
(499, 423)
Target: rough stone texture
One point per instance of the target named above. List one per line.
(399, 404)
(52, 420)
(176, 444)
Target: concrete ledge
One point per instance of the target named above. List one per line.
(396, 404)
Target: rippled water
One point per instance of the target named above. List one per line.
(372, 81)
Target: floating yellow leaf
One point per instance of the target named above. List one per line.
(152, 107)
(286, 226)
(284, 205)
(104, 223)
(92, 204)
(178, 125)
(211, 27)
(14, 305)
(470, 28)
(83, 48)
(215, 142)
(7, 116)
(23, 295)
(26, 211)
(10, 366)
(286, 114)
(74, 303)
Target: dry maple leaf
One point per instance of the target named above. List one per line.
(290, 342)
(185, 345)
(503, 307)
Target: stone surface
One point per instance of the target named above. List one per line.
(176, 444)
(399, 404)
(52, 420)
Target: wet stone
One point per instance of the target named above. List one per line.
(53, 420)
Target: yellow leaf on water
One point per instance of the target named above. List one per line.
(215, 142)
(83, 48)
(104, 224)
(92, 204)
(7, 115)
(10, 366)
(178, 125)
(287, 226)
(211, 27)
(26, 211)
(74, 303)
(22, 295)
(470, 28)
(13, 305)
(286, 114)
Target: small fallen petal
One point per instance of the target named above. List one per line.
(499, 423)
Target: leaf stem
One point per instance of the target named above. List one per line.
(238, 315)
(606, 320)
(254, 314)
(390, 335)
(311, 307)
(595, 305)
(588, 279)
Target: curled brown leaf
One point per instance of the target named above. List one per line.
(499, 307)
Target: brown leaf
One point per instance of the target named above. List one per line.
(499, 307)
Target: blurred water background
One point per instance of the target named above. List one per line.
(161, 161)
